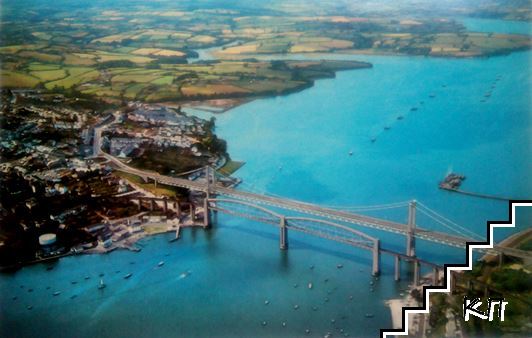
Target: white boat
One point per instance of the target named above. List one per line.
(161, 263)
(128, 275)
(101, 285)
(310, 285)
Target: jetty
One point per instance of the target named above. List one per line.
(452, 182)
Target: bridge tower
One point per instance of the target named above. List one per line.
(210, 176)
(283, 234)
(376, 257)
(410, 236)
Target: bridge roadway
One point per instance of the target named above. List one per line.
(311, 209)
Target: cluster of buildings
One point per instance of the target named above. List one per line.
(156, 126)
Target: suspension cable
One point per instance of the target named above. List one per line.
(444, 219)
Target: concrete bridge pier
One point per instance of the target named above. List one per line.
(192, 212)
(376, 257)
(152, 205)
(206, 215)
(417, 272)
(165, 205)
(452, 277)
(435, 276)
(410, 237)
(283, 234)
(397, 274)
(139, 206)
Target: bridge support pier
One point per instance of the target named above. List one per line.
(397, 274)
(152, 205)
(501, 259)
(192, 212)
(140, 204)
(206, 216)
(435, 276)
(165, 205)
(283, 234)
(410, 237)
(452, 278)
(416, 272)
(376, 257)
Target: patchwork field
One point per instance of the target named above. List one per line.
(142, 54)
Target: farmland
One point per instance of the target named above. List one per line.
(138, 53)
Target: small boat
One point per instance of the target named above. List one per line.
(373, 140)
(29, 307)
(351, 153)
(487, 95)
(296, 307)
(413, 109)
(400, 117)
(386, 128)
(339, 266)
(295, 285)
(311, 267)
(128, 275)
(369, 315)
(48, 268)
(73, 296)
(310, 285)
(432, 96)
(87, 277)
(266, 302)
(161, 263)
(73, 282)
(57, 293)
(101, 285)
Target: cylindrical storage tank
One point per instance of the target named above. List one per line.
(47, 239)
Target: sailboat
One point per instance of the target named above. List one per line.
(101, 285)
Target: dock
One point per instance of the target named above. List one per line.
(475, 194)
(452, 182)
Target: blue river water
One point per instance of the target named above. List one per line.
(234, 281)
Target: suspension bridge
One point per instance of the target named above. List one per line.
(330, 222)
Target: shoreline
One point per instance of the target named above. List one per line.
(396, 304)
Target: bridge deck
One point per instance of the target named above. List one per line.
(311, 209)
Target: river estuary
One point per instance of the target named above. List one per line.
(234, 281)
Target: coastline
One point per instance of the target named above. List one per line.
(396, 304)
